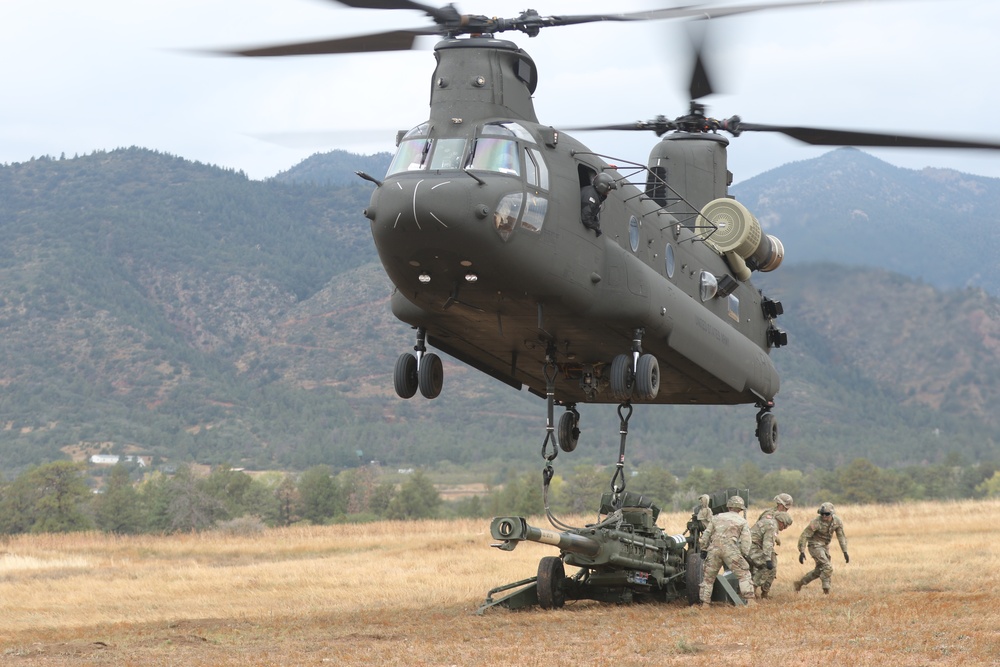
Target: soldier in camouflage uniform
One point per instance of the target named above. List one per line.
(702, 512)
(782, 503)
(726, 541)
(817, 536)
(763, 537)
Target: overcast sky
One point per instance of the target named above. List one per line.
(101, 74)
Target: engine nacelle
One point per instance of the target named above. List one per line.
(734, 232)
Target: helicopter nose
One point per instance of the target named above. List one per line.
(425, 204)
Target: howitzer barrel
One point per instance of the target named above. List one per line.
(513, 529)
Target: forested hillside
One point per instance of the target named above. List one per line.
(157, 306)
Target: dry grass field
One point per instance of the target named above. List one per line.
(921, 589)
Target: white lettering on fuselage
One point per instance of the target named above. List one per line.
(712, 331)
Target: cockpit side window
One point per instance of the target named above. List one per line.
(410, 156)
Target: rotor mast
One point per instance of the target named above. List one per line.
(481, 77)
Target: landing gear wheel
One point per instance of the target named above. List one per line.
(430, 376)
(404, 378)
(550, 583)
(767, 433)
(569, 431)
(621, 377)
(647, 377)
(694, 572)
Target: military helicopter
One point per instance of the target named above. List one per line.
(519, 251)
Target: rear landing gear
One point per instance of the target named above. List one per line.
(767, 429)
(569, 429)
(422, 371)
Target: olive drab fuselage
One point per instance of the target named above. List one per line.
(478, 226)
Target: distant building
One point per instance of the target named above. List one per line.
(112, 459)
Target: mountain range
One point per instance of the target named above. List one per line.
(153, 305)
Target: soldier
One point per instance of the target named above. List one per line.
(817, 536)
(702, 512)
(726, 541)
(763, 537)
(782, 503)
(592, 198)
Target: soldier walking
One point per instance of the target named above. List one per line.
(763, 537)
(726, 541)
(816, 537)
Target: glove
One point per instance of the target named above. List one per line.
(847, 559)
(802, 558)
(703, 554)
(769, 564)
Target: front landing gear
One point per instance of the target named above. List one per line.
(767, 429)
(635, 374)
(422, 371)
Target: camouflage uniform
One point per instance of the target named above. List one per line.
(727, 541)
(780, 500)
(816, 537)
(702, 512)
(763, 537)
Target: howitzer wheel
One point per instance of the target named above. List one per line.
(694, 573)
(550, 583)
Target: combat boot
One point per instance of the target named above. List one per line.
(826, 591)
(797, 584)
(763, 594)
(750, 602)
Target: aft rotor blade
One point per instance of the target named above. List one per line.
(827, 137)
(396, 40)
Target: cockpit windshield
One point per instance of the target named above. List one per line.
(503, 147)
(495, 154)
(494, 149)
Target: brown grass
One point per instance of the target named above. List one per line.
(921, 589)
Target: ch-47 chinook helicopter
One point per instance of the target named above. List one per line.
(522, 253)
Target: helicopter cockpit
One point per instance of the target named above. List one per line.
(500, 147)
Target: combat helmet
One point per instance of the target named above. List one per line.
(783, 499)
(736, 502)
(783, 517)
(604, 183)
(825, 508)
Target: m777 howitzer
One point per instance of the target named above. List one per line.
(623, 558)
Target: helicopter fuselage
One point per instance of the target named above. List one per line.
(478, 225)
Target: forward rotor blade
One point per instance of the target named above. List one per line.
(440, 15)
(660, 126)
(827, 137)
(396, 40)
(701, 12)
(386, 4)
